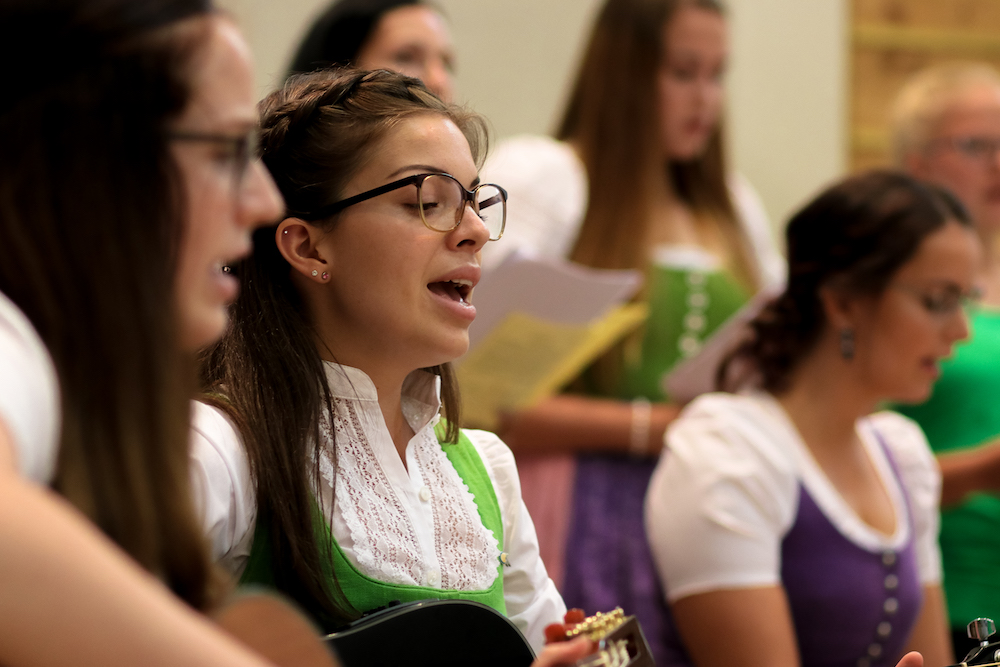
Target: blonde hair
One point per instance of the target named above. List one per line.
(926, 96)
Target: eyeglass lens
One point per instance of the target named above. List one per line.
(442, 204)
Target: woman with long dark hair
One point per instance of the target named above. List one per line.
(126, 181)
(793, 516)
(636, 178)
(334, 454)
(406, 36)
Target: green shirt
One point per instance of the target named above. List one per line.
(963, 411)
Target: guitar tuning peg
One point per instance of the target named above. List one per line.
(981, 629)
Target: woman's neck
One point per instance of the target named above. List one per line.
(388, 383)
(825, 400)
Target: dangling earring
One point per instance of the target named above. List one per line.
(847, 343)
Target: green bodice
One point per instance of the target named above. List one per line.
(685, 307)
(366, 593)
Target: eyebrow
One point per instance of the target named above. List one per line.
(426, 168)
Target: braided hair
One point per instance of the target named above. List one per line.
(266, 372)
(855, 235)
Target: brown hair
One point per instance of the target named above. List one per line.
(611, 118)
(90, 218)
(266, 371)
(854, 235)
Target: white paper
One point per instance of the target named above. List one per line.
(550, 289)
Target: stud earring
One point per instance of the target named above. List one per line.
(847, 343)
(315, 273)
(325, 275)
(284, 233)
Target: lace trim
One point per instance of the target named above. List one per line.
(467, 550)
(385, 541)
(385, 545)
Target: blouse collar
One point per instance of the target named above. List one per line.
(421, 392)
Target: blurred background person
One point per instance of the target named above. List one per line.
(406, 36)
(126, 181)
(792, 524)
(946, 130)
(636, 178)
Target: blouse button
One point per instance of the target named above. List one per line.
(891, 606)
(889, 558)
(884, 629)
(688, 345)
(694, 322)
(433, 578)
(891, 582)
(698, 300)
(424, 493)
(875, 650)
(696, 279)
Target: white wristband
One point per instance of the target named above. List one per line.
(642, 413)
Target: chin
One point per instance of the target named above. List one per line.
(199, 334)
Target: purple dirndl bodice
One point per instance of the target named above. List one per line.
(850, 607)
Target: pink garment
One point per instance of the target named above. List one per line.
(547, 490)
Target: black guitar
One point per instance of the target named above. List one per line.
(450, 633)
(987, 654)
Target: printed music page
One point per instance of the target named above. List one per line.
(539, 323)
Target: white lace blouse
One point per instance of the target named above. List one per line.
(414, 525)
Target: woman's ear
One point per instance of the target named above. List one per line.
(839, 307)
(299, 243)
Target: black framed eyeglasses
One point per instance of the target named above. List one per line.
(441, 202)
(241, 149)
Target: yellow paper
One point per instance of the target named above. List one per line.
(525, 359)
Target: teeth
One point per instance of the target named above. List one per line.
(461, 281)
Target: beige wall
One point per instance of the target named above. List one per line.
(516, 59)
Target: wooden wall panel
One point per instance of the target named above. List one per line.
(892, 39)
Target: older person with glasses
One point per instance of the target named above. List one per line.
(333, 388)
(946, 130)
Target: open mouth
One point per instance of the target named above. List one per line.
(457, 290)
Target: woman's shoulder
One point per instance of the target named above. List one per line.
(533, 151)
(735, 431)
(29, 394)
(905, 440)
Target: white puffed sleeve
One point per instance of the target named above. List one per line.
(530, 595)
(723, 495)
(546, 197)
(760, 234)
(29, 395)
(921, 476)
(223, 489)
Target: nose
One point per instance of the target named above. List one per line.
(260, 201)
(471, 233)
(958, 327)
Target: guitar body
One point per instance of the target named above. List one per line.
(433, 633)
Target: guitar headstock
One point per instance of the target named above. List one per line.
(986, 654)
(618, 639)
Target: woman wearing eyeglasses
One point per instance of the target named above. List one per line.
(332, 390)
(793, 517)
(946, 130)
